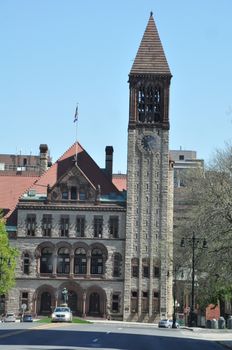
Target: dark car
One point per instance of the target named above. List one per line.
(26, 318)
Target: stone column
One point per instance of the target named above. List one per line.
(71, 273)
(38, 264)
(84, 304)
(88, 263)
(54, 267)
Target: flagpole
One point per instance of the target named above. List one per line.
(75, 121)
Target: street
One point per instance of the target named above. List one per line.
(26, 336)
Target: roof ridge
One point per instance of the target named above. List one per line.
(5, 173)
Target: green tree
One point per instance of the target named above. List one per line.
(209, 215)
(7, 260)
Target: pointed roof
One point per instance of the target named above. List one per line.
(66, 162)
(150, 58)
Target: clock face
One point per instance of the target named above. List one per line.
(149, 143)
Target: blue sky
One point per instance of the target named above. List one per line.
(55, 53)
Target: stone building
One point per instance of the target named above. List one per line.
(76, 230)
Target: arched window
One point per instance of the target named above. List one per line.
(63, 263)
(26, 264)
(96, 262)
(117, 265)
(46, 260)
(80, 262)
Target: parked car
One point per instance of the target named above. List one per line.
(26, 318)
(166, 323)
(62, 314)
(9, 317)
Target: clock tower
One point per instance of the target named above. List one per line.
(149, 239)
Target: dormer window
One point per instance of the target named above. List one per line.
(82, 195)
(65, 195)
(73, 192)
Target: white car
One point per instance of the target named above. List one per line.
(10, 317)
(62, 314)
(165, 323)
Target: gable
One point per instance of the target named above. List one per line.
(72, 185)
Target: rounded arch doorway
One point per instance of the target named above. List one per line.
(96, 302)
(45, 303)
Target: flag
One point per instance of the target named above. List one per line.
(76, 115)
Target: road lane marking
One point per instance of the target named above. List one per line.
(49, 325)
(9, 334)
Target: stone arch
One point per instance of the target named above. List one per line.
(96, 301)
(80, 245)
(100, 246)
(44, 300)
(64, 244)
(38, 253)
(43, 245)
(75, 297)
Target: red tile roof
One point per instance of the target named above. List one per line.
(11, 188)
(66, 162)
(120, 181)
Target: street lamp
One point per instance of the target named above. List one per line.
(174, 298)
(193, 242)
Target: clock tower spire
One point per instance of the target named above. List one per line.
(148, 289)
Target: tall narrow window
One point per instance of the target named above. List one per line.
(115, 303)
(26, 264)
(31, 224)
(135, 267)
(47, 225)
(156, 301)
(96, 262)
(156, 272)
(113, 226)
(46, 260)
(80, 226)
(134, 301)
(98, 226)
(63, 265)
(145, 306)
(117, 265)
(73, 192)
(146, 269)
(80, 262)
(64, 226)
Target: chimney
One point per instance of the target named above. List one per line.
(43, 158)
(109, 161)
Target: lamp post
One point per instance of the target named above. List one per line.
(174, 297)
(193, 242)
